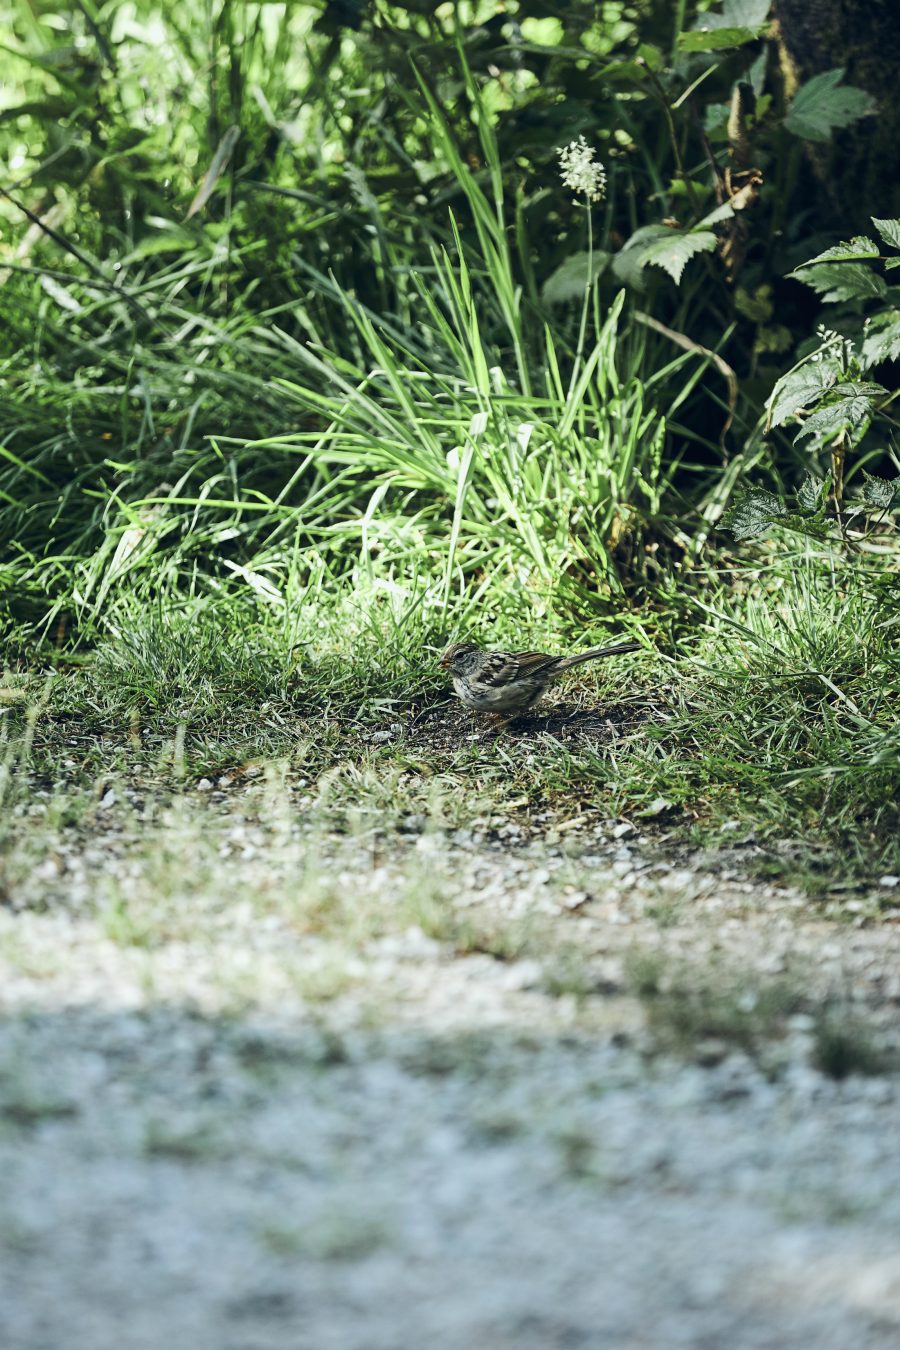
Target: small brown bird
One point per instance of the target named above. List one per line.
(511, 682)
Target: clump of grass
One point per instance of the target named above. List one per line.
(843, 1045)
(686, 1006)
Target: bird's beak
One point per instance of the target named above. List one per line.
(444, 663)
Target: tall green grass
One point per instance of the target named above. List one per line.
(165, 434)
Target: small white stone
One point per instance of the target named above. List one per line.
(889, 881)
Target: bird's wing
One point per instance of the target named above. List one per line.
(504, 667)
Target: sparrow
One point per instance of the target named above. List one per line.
(510, 682)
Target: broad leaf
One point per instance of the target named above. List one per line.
(800, 388)
(754, 513)
(842, 281)
(675, 252)
(651, 56)
(822, 104)
(812, 494)
(569, 280)
(859, 247)
(713, 39)
(849, 415)
(627, 264)
(814, 527)
(880, 494)
(758, 511)
(889, 231)
(715, 217)
(740, 21)
(881, 341)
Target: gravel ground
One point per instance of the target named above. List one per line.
(540, 1092)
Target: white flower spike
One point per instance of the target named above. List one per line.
(580, 171)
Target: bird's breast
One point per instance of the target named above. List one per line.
(497, 698)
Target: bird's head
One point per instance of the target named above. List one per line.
(455, 656)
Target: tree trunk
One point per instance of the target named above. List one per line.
(861, 169)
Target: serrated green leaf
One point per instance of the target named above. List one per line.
(880, 494)
(842, 281)
(822, 105)
(674, 253)
(859, 247)
(713, 39)
(811, 494)
(743, 15)
(627, 264)
(890, 233)
(569, 280)
(849, 415)
(858, 389)
(800, 388)
(716, 216)
(813, 527)
(881, 341)
(754, 513)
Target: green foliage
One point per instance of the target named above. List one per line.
(714, 39)
(573, 277)
(802, 388)
(756, 511)
(673, 251)
(846, 274)
(823, 104)
(845, 412)
(751, 14)
(741, 21)
(271, 348)
(858, 248)
(848, 281)
(309, 295)
(826, 391)
(812, 495)
(890, 233)
(881, 494)
(881, 338)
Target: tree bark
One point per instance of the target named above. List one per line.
(861, 169)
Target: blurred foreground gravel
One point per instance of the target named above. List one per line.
(229, 1125)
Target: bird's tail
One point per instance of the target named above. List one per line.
(594, 654)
